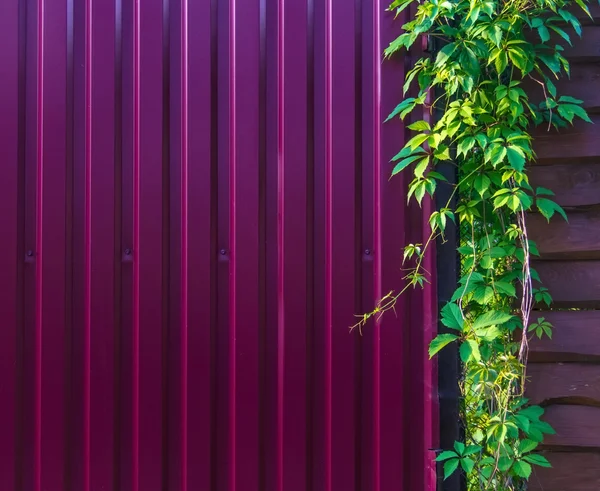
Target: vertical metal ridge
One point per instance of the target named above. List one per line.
(136, 248)
(10, 251)
(37, 464)
(280, 240)
(184, 243)
(21, 237)
(118, 243)
(263, 268)
(310, 245)
(377, 242)
(214, 221)
(359, 237)
(70, 241)
(233, 247)
(87, 250)
(165, 231)
(328, 386)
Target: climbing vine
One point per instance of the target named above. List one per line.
(481, 89)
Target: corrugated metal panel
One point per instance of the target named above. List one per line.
(195, 204)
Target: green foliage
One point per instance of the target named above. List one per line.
(478, 88)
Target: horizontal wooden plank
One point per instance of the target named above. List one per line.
(564, 383)
(571, 283)
(584, 76)
(586, 48)
(575, 426)
(573, 184)
(575, 337)
(569, 472)
(575, 144)
(579, 238)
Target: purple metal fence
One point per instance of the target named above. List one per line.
(195, 203)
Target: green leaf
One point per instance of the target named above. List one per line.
(570, 100)
(422, 166)
(581, 113)
(544, 33)
(504, 463)
(519, 58)
(465, 145)
(533, 413)
(416, 140)
(445, 53)
(491, 318)
(406, 152)
(469, 349)
(495, 154)
(405, 104)
(522, 422)
(448, 454)
(434, 140)
(440, 342)
(539, 191)
(459, 447)
(545, 427)
(562, 34)
(467, 464)
(403, 164)
(496, 35)
(526, 446)
(399, 5)
(522, 469)
(489, 334)
(501, 62)
(471, 449)
(442, 153)
(449, 467)
(483, 295)
(420, 125)
(506, 288)
(548, 207)
(452, 317)
(537, 459)
(551, 88)
(481, 184)
(571, 19)
(516, 157)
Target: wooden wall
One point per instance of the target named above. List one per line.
(565, 372)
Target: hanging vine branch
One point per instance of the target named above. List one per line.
(492, 50)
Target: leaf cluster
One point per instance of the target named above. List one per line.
(491, 82)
